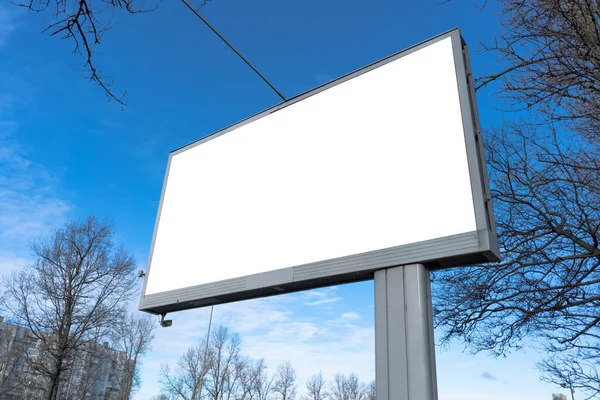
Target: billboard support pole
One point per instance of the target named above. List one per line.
(404, 343)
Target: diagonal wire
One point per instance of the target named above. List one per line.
(233, 48)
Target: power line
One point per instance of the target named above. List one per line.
(203, 371)
(233, 48)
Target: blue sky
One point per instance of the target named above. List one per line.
(66, 152)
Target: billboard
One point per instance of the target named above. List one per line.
(379, 168)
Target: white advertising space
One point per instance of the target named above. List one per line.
(374, 162)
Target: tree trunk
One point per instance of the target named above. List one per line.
(62, 350)
(53, 392)
(130, 368)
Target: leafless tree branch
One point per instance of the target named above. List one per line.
(84, 23)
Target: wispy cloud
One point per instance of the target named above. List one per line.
(323, 301)
(7, 23)
(488, 376)
(30, 201)
(275, 329)
(30, 205)
(350, 315)
(319, 297)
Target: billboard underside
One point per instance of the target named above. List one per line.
(377, 169)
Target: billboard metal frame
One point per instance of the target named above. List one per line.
(466, 248)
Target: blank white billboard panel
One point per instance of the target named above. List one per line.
(326, 188)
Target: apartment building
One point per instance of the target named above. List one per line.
(96, 372)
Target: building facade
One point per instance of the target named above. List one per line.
(94, 372)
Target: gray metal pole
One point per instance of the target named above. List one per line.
(404, 343)
(203, 370)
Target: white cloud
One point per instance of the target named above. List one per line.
(332, 340)
(313, 345)
(319, 297)
(276, 329)
(324, 301)
(30, 203)
(350, 315)
(9, 260)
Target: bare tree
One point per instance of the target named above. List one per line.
(315, 387)
(88, 359)
(185, 383)
(221, 381)
(264, 385)
(285, 381)
(218, 370)
(254, 383)
(162, 396)
(347, 387)
(370, 391)
(545, 174)
(84, 23)
(550, 52)
(547, 198)
(75, 289)
(133, 337)
(570, 373)
(224, 374)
